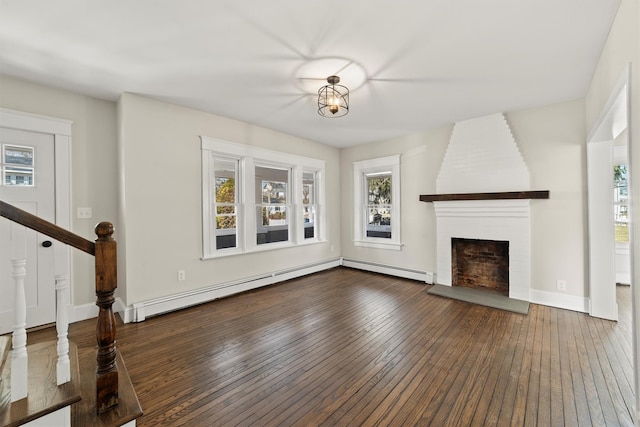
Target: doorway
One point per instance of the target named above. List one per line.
(607, 147)
(35, 170)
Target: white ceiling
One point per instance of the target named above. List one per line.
(427, 62)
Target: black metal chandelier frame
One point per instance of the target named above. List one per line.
(333, 99)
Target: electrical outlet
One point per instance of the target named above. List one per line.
(182, 275)
(562, 285)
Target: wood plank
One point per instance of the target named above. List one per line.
(347, 347)
(506, 195)
(84, 412)
(45, 396)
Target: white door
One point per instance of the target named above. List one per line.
(28, 181)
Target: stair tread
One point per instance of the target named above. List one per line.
(84, 413)
(45, 396)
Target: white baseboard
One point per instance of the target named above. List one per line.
(422, 276)
(78, 313)
(141, 310)
(558, 300)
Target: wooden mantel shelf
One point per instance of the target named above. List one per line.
(507, 195)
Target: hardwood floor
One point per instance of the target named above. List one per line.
(346, 347)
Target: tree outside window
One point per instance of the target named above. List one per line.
(379, 206)
(621, 203)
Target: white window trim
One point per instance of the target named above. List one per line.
(360, 170)
(246, 235)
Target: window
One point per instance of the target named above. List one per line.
(309, 203)
(621, 203)
(16, 166)
(225, 203)
(272, 210)
(378, 209)
(377, 203)
(257, 199)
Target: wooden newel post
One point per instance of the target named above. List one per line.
(106, 282)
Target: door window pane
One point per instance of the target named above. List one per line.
(17, 165)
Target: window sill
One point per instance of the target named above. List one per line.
(261, 248)
(378, 245)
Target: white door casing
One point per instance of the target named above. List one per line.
(602, 274)
(613, 120)
(49, 198)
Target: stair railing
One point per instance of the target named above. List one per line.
(105, 252)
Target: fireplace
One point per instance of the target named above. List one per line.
(483, 194)
(491, 220)
(482, 264)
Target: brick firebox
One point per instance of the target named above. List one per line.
(482, 264)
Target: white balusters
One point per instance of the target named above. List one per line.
(19, 360)
(63, 367)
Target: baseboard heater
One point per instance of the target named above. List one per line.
(422, 276)
(140, 311)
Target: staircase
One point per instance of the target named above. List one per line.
(54, 383)
(46, 401)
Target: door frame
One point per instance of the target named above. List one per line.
(614, 118)
(60, 129)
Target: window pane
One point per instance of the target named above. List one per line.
(225, 198)
(308, 188)
(225, 217)
(621, 200)
(309, 213)
(18, 176)
(274, 215)
(272, 226)
(22, 156)
(379, 221)
(225, 174)
(379, 188)
(226, 238)
(272, 185)
(272, 194)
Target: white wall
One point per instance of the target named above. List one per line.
(161, 199)
(93, 163)
(551, 140)
(420, 158)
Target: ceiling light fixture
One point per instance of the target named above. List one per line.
(333, 99)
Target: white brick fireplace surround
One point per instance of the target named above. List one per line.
(501, 220)
(483, 157)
